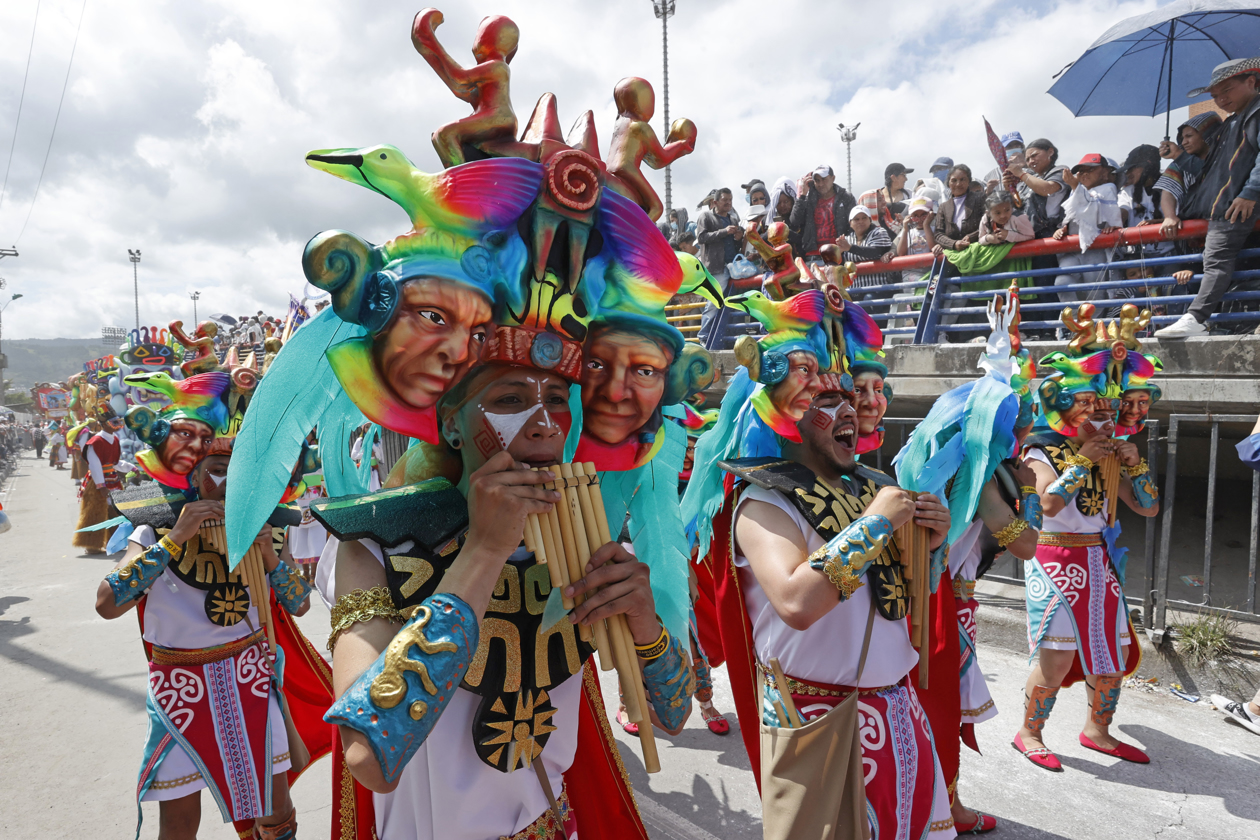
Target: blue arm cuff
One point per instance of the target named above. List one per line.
(844, 559)
(940, 559)
(1069, 483)
(670, 685)
(134, 579)
(398, 700)
(291, 590)
(1145, 491)
(1030, 510)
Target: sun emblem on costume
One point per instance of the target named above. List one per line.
(227, 604)
(1090, 502)
(521, 732)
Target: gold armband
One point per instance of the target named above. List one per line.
(172, 548)
(362, 605)
(1078, 460)
(1010, 533)
(1140, 468)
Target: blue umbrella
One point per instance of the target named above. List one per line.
(1133, 69)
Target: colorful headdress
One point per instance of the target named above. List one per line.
(1100, 357)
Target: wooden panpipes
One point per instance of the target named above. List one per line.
(565, 539)
(913, 541)
(253, 573)
(1109, 467)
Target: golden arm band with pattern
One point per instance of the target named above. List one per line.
(844, 559)
(361, 605)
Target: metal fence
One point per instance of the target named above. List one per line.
(1223, 599)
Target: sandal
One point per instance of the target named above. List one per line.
(623, 720)
(984, 823)
(1122, 751)
(715, 720)
(1040, 756)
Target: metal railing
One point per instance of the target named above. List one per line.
(1213, 602)
(917, 309)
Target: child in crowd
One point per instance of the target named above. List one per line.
(1000, 224)
(1090, 210)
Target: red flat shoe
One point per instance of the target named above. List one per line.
(1122, 751)
(1040, 756)
(623, 720)
(984, 823)
(718, 726)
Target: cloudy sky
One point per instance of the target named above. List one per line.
(184, 124)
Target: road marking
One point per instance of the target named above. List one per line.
(665, 824)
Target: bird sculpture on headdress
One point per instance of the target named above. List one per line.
(798, 313)
(202, 397)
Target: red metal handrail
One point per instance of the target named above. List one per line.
(1140, 235)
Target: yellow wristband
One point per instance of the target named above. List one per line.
(171, 547)
(656, 649)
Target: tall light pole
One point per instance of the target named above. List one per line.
(196, 296)
(664, 10)
(4, 363)
(134, 256)
(848, 135)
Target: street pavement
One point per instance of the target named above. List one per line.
(73, 692)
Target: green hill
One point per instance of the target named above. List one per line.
(33, 360)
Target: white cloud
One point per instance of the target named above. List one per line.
(185, 124)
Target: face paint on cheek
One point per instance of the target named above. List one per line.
(507, 426)
(217, 479)
(1096, 425)
(825, 418)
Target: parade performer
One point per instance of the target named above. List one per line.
(101, 453)
(1078, 626)
(465, 708)
(228, 712)
(799, 529)
(76, 438)
(964, 450)
(57, 451)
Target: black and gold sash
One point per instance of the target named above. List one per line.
(829, 510)
(1091, 499)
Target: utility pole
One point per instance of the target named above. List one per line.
(196, 296)
(8, 252)
(848, 135)
(4, 363)
(134, 256)
(664, 10)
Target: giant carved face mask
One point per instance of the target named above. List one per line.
(622, 383)
(871, 402)
(437, 333)
(1134, 406)
(796, 392)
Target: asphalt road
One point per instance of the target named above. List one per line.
(72, 690)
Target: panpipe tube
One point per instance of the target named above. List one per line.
(569, 554)
(527, 536)
(549, 548)
(597, 496)
(577, 565)
(626, 659)
(785, 691)
(589, 517)
(647, 740)
(550, 526)
(540, 545)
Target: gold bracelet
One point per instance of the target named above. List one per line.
(1140, 468)
(656, 649)
(1076, 459)
(172, 548)
(362, 605)
(1010, 533)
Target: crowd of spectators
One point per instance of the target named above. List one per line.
(1211, 173)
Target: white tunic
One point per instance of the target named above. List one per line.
(447, 793)
(828, 651)
(964, 561)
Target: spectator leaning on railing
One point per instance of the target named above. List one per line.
(960, 212)
(1091, 209)
(718, 236)
(1228, 188)
(867, 243)
(1194, 137)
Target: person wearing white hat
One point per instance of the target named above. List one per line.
(1228, 188)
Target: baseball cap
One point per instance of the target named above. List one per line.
(823, 171)
(859, 210)
(1092, 159)
(1013, 137)
(896, 169)
(917, 204)
(1227, 70)
(941, 163)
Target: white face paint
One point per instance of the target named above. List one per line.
(507, 426)
(217, 479)
(1096, 425)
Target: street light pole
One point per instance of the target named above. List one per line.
(196, 296)
(134, 256)
(664, 10)
(848, 135)
(4, 365)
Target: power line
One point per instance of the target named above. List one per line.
(21, 99)
(56, 119)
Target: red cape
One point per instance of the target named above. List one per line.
(942, 700)
(599, 789)
(707, 627)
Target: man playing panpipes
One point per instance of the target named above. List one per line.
(1078, 625)
(214, 717)
(809, 576)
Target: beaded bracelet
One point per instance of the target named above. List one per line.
(362, 605)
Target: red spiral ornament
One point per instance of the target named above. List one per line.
(244, 378)
(573, 179)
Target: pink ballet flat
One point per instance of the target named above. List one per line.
(1122, 751)
(624, 721)
(1040, 756)
(984, 824)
